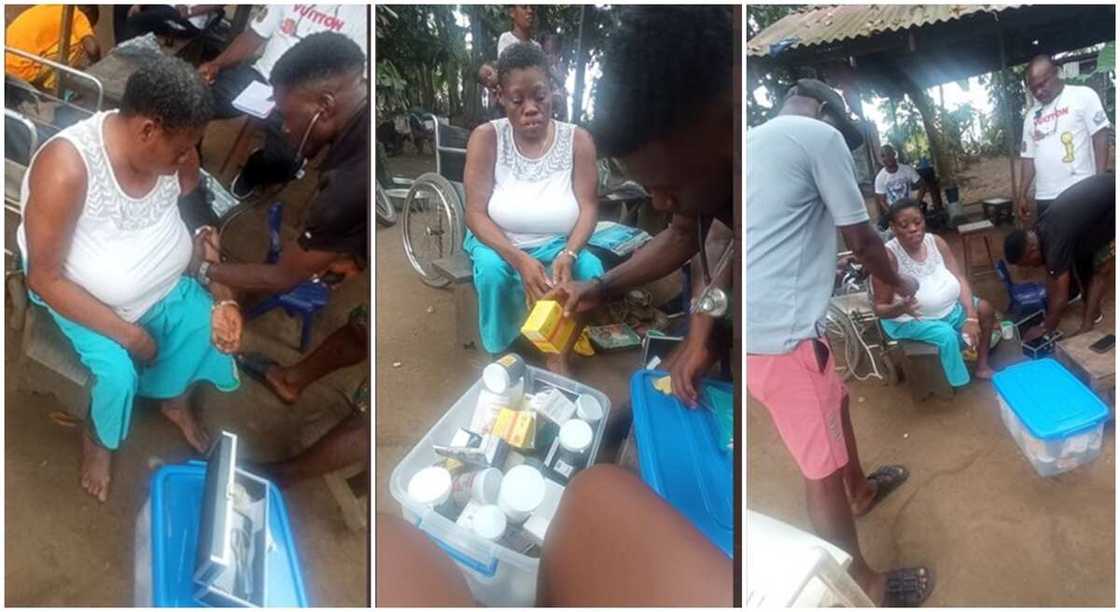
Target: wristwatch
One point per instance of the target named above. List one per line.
(204, 273)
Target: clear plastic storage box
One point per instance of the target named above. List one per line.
(1055, 419)
(497, 575)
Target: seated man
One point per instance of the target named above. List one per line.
(108, 254)
(276, 30)
(944, 307)
(1075, 235)
(38, 31)
(894, 183)
(176, 21)
(531, 202)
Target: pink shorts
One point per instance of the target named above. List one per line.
(805, 404)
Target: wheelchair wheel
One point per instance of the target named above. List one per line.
(844, 341)
(386, 214)
(432, 225)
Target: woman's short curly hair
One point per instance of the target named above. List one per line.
(520, 56)
(169, 91)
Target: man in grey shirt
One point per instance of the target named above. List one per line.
(801, 187)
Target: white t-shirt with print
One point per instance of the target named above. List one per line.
(284, 25)
(896, 185)
(1059, 138)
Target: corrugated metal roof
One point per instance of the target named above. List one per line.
(831, 24)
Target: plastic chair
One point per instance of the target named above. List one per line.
(303, 300)
(1023, 298)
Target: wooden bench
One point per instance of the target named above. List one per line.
(459, 270)
(921, 365)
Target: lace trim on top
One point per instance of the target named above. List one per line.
(558, 158)
(919, 269)
(104, 197)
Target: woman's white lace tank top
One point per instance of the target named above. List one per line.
(938, 290)
(533, 200)
(127, 252)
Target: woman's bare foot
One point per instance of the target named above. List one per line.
(984, 372)
(287, 393)
(96, 468)
(178, 412)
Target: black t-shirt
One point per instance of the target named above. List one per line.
(1078, 224)
(338, 220)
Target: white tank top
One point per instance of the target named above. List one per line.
(128, 253)
(938, 290)
(533, 200)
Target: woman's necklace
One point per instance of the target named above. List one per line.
(550, 135)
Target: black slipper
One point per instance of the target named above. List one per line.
(905, 589)
(887, 478)
(255, 365)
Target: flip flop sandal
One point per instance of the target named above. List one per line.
(255, 365)
(886, 478)
(905, 589)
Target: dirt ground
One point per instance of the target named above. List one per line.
(63, 548)
(974, 510)
(421, 370)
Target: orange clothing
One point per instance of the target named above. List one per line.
(38, 30)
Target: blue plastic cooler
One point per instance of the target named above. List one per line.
(176, 503)
(680, 457)
(1055, 419)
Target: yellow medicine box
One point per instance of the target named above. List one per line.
(503, 425)
(547, 328)
(524, 432)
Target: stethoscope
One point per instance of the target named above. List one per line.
(303, 143)
(713, 301)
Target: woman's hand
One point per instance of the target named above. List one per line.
(971, 330)
(140, 344)
(562, 269)
(225, 327)
(534, 279)
(910, 306)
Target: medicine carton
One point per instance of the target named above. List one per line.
(547, 328)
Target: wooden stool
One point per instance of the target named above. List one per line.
(353, 506)
(980, 229)
(921, 365)
(998, 210)
(1096, 370)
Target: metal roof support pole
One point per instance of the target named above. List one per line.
(1004, 75)
(64, 46)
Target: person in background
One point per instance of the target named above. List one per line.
(1075, 235)
(802, 189)
(944, 307)
(110, 257)
(272, 33)
(522, 18)
(531, 202)
(488, 80)
(1065, 139)
(173, 20)
(38, 30)
(893, 183)
(664, 104)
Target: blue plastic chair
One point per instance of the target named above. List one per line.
(305, 299)
(1023, 298)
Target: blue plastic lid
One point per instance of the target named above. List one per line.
(681, 459)
(1048, 399)
(176, 505)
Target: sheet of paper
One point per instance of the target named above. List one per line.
(256, 100)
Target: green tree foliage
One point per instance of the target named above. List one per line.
(772, 77)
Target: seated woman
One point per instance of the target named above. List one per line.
(107, 253)
(531, 201)
(944, 307)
